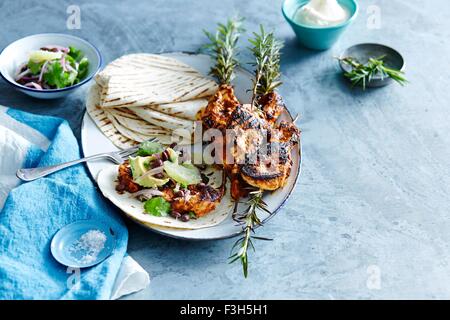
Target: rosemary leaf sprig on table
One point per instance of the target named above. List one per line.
(266, 50)
(222, 47)
(362, 74)
(249, 220)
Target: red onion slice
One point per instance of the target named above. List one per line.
(33, 84)
(146, 193)
(69, 67)
(152, 172)
(44, 68)
(22, 74)
(63, 62)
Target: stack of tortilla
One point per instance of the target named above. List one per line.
(141, 96)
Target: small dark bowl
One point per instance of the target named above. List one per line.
(362, 52)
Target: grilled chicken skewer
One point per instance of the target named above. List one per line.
(258, 143)
(253, 127)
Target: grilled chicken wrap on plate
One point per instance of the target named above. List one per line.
(159, 188)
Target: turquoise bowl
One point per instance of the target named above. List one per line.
(317, 38)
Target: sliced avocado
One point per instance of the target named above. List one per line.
(151, 182)
(173, 155)
(139, 165)
(184, 174)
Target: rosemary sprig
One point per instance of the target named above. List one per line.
(266, 50)
(249, 220)
(222, 47)
(362, 74)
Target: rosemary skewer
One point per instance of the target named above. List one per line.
(266, 50)
(249, 220)
(223, 47)
(362, 74)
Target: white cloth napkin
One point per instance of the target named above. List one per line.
(15, 140)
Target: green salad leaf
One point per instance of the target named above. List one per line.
(57, 77)
(192, 215)
(157, 206)
(147, 148)
(75, 53)
(35, 67)
(83, 69)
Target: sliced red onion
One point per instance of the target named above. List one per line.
(146, 193)
(63, 62)
(22, 74)
(152, 172)
(187, 195)
(69, 67)
(44, 68)
(29, 79)
(33, 84)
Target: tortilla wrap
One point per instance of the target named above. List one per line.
(103, 123)
(146, 79)
(185, 109)
(107, 180)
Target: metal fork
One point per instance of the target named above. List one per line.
(117, 157)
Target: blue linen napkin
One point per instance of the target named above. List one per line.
(33, 212)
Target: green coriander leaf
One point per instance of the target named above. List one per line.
(157, 206)
(147, 148)
(35, 67)
(70, 60)
(192, 215)
(76, 54)
(83, 69)
(55, 76)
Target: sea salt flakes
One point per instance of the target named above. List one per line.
(87, 248)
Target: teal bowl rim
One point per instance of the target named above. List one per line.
(340, 25)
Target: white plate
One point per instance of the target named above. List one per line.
(93, 141)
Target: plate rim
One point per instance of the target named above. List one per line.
(231, 235)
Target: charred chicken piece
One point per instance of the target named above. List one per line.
(242, 139)
(220, 106)
(272, 105)
(200, 199)
(125, 179)
(262, 150)
(271, 170)
(286, 131)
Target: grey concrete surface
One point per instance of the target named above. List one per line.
(370, 215)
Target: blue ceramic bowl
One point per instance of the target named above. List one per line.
(317, 38)
(17, 52)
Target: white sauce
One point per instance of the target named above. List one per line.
(322, 13)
